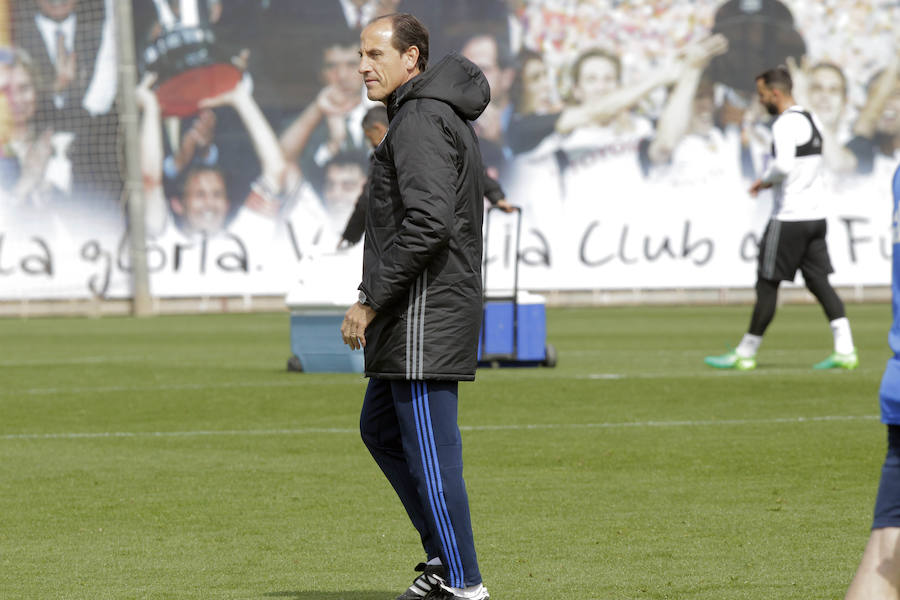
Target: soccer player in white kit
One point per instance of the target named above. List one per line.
(795, 236)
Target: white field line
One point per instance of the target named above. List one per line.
(80, 360)
(163, 387)
(473, 428)
(708, 373)
(301, 381)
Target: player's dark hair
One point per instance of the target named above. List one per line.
(44, 109)
(345, 38)
(517, 88)
(595, 53)
(375, 115)
(505, 59)
(779, 78)
(192, 171)
(408, 31)
(350, 158)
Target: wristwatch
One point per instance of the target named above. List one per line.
(362, 298)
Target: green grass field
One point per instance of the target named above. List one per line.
(175, 457)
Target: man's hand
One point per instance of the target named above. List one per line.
(239, 93)
(241, 59)
(800, 73)
(698, 54)
(757, 186)
(198, 139)
(356, 320)
(334, 103)
(505, 205)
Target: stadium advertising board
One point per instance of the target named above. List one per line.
(629, 138)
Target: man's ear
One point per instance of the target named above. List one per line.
(411, 57)
(177, 206)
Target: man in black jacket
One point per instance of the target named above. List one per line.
(420, 304)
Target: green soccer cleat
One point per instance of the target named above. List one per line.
(731, 360)
(839, 361)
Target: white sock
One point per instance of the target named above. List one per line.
(843, 339)
(435, 561)
(748, 346)
(469, 592)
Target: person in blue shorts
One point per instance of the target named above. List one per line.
(878, 575)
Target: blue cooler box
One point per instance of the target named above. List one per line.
(316, 342)
(496, 341)
(325, 287)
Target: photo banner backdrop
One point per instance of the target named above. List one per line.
(254, 153)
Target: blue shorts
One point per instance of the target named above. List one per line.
(887, 503)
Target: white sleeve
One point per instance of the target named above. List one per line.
(789, 131)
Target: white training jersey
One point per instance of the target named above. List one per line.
(796, 167)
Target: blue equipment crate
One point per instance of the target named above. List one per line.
(316, 342)
(498, 327)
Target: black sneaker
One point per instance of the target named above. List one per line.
(425, 585)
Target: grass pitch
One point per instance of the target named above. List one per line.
(174, 457)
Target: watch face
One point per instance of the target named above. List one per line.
(362, 298)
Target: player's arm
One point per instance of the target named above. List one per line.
(156, 211)
(673, 122)
(785, 133)
(678, 110)
(605, 108)
(294, 139)
(356, 224)
(881, 90)
(264, 141)
(495, 194)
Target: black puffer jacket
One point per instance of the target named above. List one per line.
(422, 258)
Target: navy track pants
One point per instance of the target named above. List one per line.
(410, 428)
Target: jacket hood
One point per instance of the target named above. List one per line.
(454, 80)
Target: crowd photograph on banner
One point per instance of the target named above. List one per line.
(627, 132)
(264, 264)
